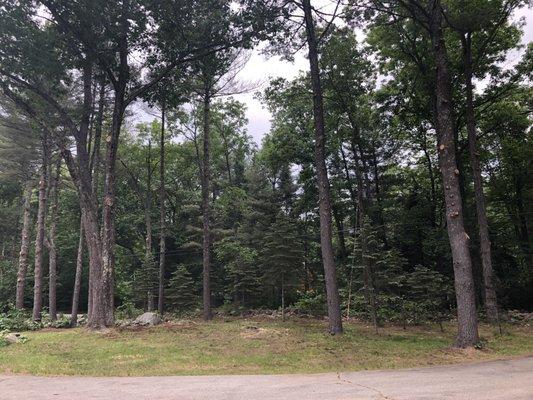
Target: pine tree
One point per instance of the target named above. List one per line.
(281, 257)
(181, 291)
(239, 262)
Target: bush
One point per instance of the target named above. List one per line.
(311, 303)
(62, 322)
(18, 320)
(127, 310)
(231, 309)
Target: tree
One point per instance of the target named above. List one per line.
(24, 245)
(281, 257)
(92, 27)
(486, 22)
(181, 289)
(51, 239)
(19, 160)
(429, 15)
(288, 23)
(40, 228)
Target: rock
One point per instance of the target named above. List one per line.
(148, 318)
(14, 337)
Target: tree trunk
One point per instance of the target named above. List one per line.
(368, 278)
(39, 237)
(102, 312)
(77, 280)
(324, 204)
(339, 224)
(491, 306)
(206, 209)
(94, 167)
(24, 245)
(462, 264)
(162, 194)
(52, 248)
(148, 260)
(282, 296)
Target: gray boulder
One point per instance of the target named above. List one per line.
(14, 337)
(148, 318)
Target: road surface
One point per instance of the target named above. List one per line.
(498, 380)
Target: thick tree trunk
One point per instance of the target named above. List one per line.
(491, 305)
(324, 204)
(81, 176)
(462, 264)
(52, 248)
(162, 214)
(39, 237)
(24, 245)
(77, 280)
(94, 167)
(206, 209)
(102, 313)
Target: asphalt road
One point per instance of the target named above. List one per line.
(498, 380)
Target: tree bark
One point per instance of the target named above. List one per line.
(24, 245)
(39, 238)
(94, 167)
(52, 248)
(148, 260)
(77, 280)
(491, 305)
(324, 204)
(462, 264)
(162, 214)
(206, 209)
(104, 295)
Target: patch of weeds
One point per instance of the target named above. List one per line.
(18, 320)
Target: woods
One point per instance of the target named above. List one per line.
(393, 184)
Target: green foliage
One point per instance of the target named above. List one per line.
(311, 303)
(8, 276)
(127, 310)
(18, 320)
(240, 265)
(181, 292)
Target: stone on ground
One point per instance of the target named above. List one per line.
(148, 318)
(14, 337)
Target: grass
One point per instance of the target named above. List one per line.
(248, 346)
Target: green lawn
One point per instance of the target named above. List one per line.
(247, 346)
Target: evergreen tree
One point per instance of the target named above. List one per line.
(181, 291)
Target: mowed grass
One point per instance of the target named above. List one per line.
(248, 346)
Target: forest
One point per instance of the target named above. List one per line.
(393, 186)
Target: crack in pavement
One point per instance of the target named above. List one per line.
(379, 392)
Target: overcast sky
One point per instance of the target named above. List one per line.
(261, 69)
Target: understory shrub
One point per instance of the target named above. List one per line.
(311, 303)
(18, 320)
